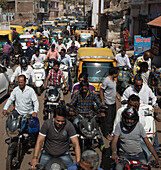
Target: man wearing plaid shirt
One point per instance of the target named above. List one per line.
(84, 100)
(55, 75)
(73, 49)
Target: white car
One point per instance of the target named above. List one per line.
(5, 77)
(24, 39)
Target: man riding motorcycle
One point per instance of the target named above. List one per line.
(25, 70)
(130, 131)
(25, 99)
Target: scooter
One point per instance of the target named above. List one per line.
(39, 73)
(52, 101)
(73, 57)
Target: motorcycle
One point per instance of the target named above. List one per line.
(123, 79)
(22, 130)
(52, 101)
(39, 73)
(88, 127)
(73, 57)
(53, 164)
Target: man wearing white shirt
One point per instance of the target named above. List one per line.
(37, 58)
(123, 59)
(145, 58)
(98, 42)
(69, 44)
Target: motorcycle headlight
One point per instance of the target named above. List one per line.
(53, 98)
(12, 134)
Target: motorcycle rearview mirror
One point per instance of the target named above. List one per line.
(124, 102)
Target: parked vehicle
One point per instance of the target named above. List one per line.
(123, 79)
(5, 77)
(52, 101)
(20, 131)
(39, 73)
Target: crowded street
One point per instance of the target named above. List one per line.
(80, 85)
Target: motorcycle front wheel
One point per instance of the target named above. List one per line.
(9, 163)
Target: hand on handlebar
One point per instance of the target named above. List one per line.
(33, 164)
(34, 114)
(158, 162)
(4, 112)
(71, 112)
(115, 157)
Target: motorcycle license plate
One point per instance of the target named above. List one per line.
(50, 103)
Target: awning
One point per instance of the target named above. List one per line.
(156, 22)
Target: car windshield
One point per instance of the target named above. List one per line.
(85, 37)
(96, 71)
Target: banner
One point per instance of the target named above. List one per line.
(141, 44)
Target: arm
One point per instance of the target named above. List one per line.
(31, 62)
(39, 143)
(154, 98)
(128, 62)
(65, 84)
(32, 75)
(70, 62)
(46, 81)
(35, 102)
(75, 142)
(47, 56)
(101, 96)
(113, 147)
(14, 75)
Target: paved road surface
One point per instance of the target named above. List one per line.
(28, 156)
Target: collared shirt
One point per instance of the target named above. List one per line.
(65, 40)
(73, 50)
(66, 60)
(28, 73)
(69, 44)
(145, 94)
(38, 59)
(98, 44)
(60, 47)
(123, 61)
(52, 55)
(142, 58)
(85, 104)
(26, 101)
(55, 77)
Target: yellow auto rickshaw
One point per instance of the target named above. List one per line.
(84, 35)
(4, 36)
(96, 62)
(27, 30)
(18, 28)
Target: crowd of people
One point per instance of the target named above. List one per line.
(124, 127)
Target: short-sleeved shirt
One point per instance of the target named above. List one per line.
(130, 142)
(109, 88)
(55, 77)
(52, 55)
(38, 59)
(57, 142)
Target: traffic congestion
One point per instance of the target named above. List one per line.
(89, 92)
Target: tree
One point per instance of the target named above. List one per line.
(3, 4)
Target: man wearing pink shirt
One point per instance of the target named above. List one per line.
(52, 54)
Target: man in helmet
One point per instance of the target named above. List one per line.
(45, 41)
(25, 99)
(130, 131)
(24, 69)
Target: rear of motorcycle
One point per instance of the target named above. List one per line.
(18, 130)
(51, 102)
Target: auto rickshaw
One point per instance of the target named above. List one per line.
(96, 62)
(4, 35)
(83, 35)
(28, 29)
(18, 28)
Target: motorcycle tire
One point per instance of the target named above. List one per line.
(9, 160)
(38, 91)
(73, 74)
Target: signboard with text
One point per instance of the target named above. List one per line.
(141, 44)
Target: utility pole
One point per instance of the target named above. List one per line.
(84, 8)
(99, 18)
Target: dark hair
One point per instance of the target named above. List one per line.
(134, 97)
(37, 49)
(137, 78)
(53, 46)
(143, 65)
(22, 75)
(113, 70)
(84, 83)
(8, 41)
(60, 111)
(64, 50)
(84, 76)
(56, 63)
